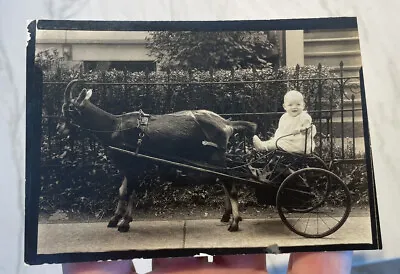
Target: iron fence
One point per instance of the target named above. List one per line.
(332, 100)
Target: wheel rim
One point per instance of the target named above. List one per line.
(320, 210)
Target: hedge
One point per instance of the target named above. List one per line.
(74, 170)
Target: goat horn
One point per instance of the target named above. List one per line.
(71, 85)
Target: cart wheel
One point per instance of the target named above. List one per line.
(317, 195)
(313, 162)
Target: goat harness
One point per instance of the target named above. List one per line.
(142, 121)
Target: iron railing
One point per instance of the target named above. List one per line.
(332, 101)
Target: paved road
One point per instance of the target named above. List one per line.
(145, 235)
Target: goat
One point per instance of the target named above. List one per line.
(200, 136)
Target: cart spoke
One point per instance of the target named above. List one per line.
(325, 223)
(331, 217)
(297, 221)
(307, 224)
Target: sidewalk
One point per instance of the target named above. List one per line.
(147, 235)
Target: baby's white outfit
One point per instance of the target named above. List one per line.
(291, 143)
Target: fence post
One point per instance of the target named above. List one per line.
(190, 73)
(124, 90)
(146, 87)
(168, 102)
(331, 122)
(49, 126)
(210, 89)
(254, 72)
(107, 91)
(297, 76)
(342, 105)
(104, 89)
(353, 124)
(72, 141)
(233, 102)
(320, 102)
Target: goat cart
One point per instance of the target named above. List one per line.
(312, 201)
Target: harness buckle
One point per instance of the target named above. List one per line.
(139, 142)
(143, 119)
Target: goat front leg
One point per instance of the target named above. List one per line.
(131, 194)
(228, 207)
(124, 226)
(122, 204)
(233, 197)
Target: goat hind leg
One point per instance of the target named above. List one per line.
(233, 197)
(122, 204)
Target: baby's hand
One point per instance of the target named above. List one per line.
(298, 131)
(303, 130)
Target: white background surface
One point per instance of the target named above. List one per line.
(379, 38)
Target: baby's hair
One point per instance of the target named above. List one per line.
(293, 93)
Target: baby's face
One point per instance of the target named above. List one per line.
(293, 106)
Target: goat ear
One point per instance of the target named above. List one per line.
(84, 95)
(89, 93)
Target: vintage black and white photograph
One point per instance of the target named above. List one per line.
(202, 139)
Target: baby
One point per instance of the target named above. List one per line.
(292, 123)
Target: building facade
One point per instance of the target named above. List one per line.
(126, 50)
(99, 49)
(104, 49)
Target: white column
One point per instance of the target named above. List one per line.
(294, 47)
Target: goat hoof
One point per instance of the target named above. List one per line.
(112, 223)
(225, 218)
(233, 228)
(240, 219)
(123, 228)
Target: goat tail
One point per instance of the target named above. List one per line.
(249, 128)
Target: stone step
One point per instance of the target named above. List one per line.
(347, 105)
(337, 114)
(348, 113)
(327, 33)
(347, 119)
(348, 143)
(331, 44)
(333, 58)
(348, 71)
(349, 129)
